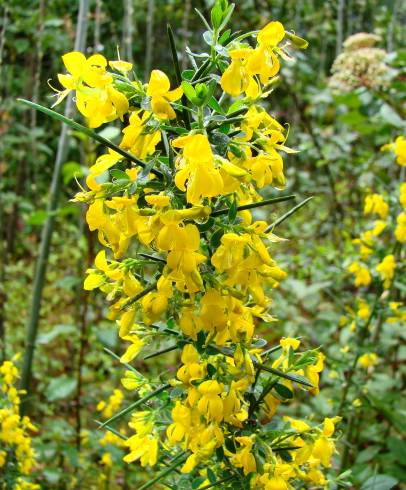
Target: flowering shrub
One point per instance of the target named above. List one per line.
(17, 458)
(187, 268)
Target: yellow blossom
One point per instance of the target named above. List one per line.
(386, 269)
(368, 360)
(161, 96)
(362, 274)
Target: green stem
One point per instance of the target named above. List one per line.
(88, 132)
(200, 117)
(177, 461)
(140, 295)
(178, 74)
(287, 215)
(42, 261)
(253, 205)
(162, 351)
(134, 405)
(113, 431)
(216, 483)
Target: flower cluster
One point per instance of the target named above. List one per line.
(17, 458)
(185, 263)
(378, 249)
(361, 64)
(369, 242)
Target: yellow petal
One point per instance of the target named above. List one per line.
(158, 83)
(93, 281)
(174, 94)
(100, 261)
(272, 34)
(122, 66)
(97, 60)
(66, 81)
(75, 63)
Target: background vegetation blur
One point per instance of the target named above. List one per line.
(338, 123)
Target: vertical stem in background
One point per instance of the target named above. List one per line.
(127, 41)
(3, 296)
(350, 17)
(36, 87)
(185, 31)
(390, 39)
(97, 23)
(340, 26)
(3, 36)
(42, 260)
(82, 306)
(149, 39)
(298, 15)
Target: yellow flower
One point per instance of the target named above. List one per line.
(287, 342)
(362, 274)
(138, 138)
(386, 269)
(363, 309)
(192, 368)
(368, 360)
(247, 63)
(264, 61)
(161, 96)
(402, 197)
(196, 167)
(313, 373)
(96, 97)
(235, 78)
(104, 162)
(133, 349)
(357, 403)
(244, 458)
(323, 450)
(106, 460)
(399, 148)
(400, 231)
(91, 71)
(183, 243)
(121, 66)
(142, 447)
(375, 203)
(181, 424)
(210, 404)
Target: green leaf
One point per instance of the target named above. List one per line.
(60, 388)
(71, 170)
(216, 15)
(232, 212)
(379, 482)
(389, 115)
(229, 13)
(37, 218)
(283, 391)
(216, 238)
(189, 91)
(119, 174)
(213, 104)
(210, 475)
(198, 481)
